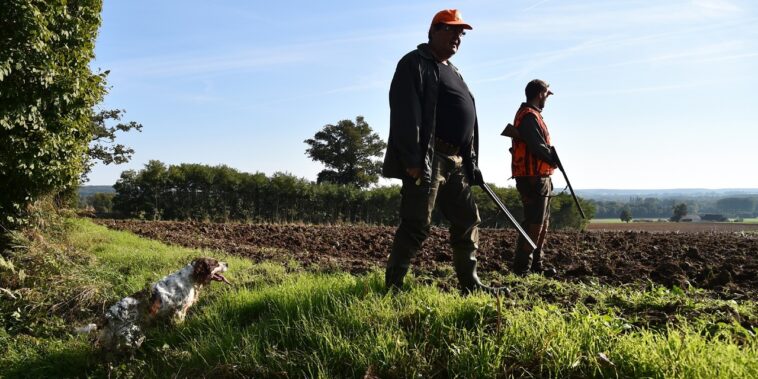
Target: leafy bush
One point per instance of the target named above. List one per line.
(47, 92)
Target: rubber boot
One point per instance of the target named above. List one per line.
(522, 260)
(393, 277)
(537, 265)
(465, 269)
(537, 260)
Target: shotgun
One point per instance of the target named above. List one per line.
(502, 207)
(512, 132)
(571, 189)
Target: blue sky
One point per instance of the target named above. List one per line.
(648, 94)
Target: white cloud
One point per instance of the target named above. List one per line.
(716, 6)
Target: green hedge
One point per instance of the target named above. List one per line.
(47, 92)
(221, 193)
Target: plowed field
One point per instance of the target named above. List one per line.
(726, 262)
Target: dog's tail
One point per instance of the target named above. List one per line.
(89, 328)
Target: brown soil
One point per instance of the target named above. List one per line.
(722, 261)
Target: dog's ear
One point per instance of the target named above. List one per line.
(155, 304)
(203, 267)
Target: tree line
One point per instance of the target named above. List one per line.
(221, 193)
(652, 207)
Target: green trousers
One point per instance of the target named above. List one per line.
(450, 192)
(535, 197)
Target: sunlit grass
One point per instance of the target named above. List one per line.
(280, 321)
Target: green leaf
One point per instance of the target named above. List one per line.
(7, 265)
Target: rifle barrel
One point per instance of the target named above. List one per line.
(571, 189)
(502, 207)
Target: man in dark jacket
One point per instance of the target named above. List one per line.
(432, 147)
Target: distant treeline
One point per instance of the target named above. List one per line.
(652, 207)
(221, 193)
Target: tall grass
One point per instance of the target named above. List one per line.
(279, 322)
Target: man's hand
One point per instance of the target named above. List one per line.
(554, 156)
(414, 172)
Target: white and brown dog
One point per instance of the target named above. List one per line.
(168, 299)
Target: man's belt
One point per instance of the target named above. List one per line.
(445, 147)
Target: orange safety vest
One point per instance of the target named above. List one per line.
(523, 162)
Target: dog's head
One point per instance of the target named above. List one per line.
(206, 270)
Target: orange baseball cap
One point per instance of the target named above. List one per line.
(450, 17)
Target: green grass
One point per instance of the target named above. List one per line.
(606, 221)
(280, 321)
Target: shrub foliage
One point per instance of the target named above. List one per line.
(47, 92)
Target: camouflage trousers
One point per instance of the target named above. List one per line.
(450, 192)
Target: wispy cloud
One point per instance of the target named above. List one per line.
(181, 65)
(567, 19)
(361, 86)
(697, 51)
(531, 63)
(243, 59)
(646, 89)
(717, 6)
(719, 52)
(535, 5)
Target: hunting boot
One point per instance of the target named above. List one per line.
(521, 261)
(537, 265)
(537, 260)
(393, 277)
(404, 247)
(465, 269)
(523, 256)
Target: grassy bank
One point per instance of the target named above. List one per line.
(278, 321)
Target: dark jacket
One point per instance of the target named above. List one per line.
(413, 105)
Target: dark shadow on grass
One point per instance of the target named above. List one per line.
(69, 363)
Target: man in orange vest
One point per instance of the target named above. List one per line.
(532, 164)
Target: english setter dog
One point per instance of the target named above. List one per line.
(168, 299)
